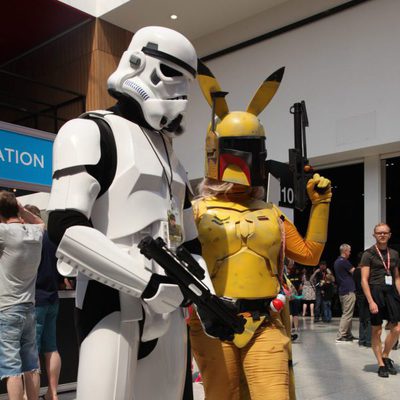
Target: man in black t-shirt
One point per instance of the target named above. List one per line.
(380, 278)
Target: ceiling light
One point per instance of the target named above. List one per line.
(173, 16)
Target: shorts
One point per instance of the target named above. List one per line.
(388, 302)
(295, 307)
(18, 351)
(46, 323)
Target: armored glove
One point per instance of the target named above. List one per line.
(214, 327)
(319, 189)
(320, 193)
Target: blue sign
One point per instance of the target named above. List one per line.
(25, 157)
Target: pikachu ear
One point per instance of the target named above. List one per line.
(208, 85)
(266, 92)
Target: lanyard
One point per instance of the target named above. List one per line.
(387, 266)
(169, 182)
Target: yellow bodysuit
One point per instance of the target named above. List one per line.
(243, 242)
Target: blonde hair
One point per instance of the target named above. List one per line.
(381, 224)
(210, 188)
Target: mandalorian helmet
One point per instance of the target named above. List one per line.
(235, 150)
(155, 71)
(235, 142)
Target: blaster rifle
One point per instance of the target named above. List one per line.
(298, 161)
(188, 278)
(298, 171)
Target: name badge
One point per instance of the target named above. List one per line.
(388, 280)
(175, 234)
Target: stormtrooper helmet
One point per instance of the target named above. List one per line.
(155, 71)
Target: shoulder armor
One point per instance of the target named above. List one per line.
(77, 143)
(279, 213)
(199, 208)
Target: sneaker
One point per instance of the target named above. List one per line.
(390, 366)
(344, 340)
(383, 372)
(366, 345)
(294, 336)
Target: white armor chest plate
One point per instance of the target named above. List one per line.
(139, 196)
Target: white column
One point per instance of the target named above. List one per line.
(373, 195)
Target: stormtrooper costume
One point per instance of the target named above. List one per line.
(116, 180)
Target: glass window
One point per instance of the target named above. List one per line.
(392, 199)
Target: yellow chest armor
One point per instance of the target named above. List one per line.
(241, 244)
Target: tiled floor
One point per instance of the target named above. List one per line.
(326, 370)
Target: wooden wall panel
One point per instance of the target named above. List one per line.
(79, 61)
(102, 65)
(110, 38)
(109, 43)
(57, 53)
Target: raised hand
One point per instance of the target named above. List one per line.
(319, 189)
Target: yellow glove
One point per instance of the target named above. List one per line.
(319, 189)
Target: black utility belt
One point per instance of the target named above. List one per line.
(379, 285)
(259, 305)
(255, 308)
(382, 287)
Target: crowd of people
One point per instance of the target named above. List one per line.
(373, 286)
(29, 303)
(314, 291)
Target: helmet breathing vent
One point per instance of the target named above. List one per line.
(136, 88)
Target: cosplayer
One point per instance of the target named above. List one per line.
(244, 241)
(115, 181)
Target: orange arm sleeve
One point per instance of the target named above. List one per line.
(301, 250)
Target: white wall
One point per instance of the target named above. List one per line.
(347, 69)
(282, 14)
(94, 7)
